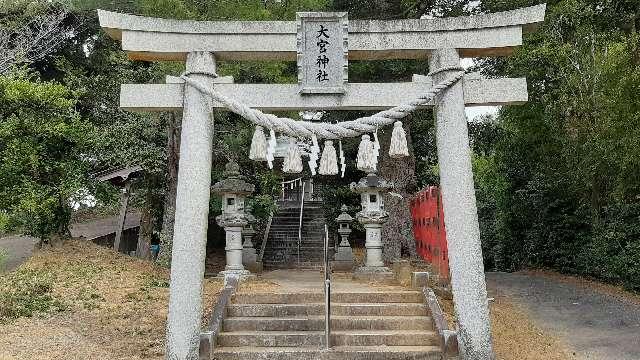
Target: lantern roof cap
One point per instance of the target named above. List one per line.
(344, 217)
(233, 182)
(371, 182)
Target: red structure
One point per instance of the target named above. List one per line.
(429, 230)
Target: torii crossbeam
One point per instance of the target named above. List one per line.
(442, 41)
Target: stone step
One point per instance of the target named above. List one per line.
(336, 353)
(338, 297)
(353, 309)
(316, 323)
(290, 234)
(293, 245)
(292, 263)
(296, 222)
(315, 228)
(338, 338)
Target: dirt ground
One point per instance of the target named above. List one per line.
(117, 307)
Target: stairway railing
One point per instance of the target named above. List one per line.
(300, 221)
(265, 237)
(327, 291)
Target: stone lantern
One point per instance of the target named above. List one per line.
(233, 190)
(371, 189)
(343, 260)
(249, 255)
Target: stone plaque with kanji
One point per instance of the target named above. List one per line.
(322, 52)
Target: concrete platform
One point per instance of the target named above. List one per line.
(313, 281)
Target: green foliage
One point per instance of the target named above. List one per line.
(560, 187)
(25, 293)
(41, 139)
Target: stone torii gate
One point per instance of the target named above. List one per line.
(442, 41)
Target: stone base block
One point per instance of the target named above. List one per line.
(342, 265)
(420, 279)
(241, 274)
(378, 274)
(402, 271)
(254, 267)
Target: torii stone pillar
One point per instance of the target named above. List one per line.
(460, 215)
(192, 214)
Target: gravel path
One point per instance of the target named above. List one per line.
(597, 325)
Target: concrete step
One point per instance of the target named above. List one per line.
(338, 297)
(316, 323)
(338, 338)
(336, 353)
(354, 309)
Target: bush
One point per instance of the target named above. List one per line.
(25, 293)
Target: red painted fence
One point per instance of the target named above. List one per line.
(429, 230)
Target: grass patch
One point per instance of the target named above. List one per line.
(27, 292)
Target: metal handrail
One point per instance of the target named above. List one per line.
(300, 221)
(327, 291)
(265, 237)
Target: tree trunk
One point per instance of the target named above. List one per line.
(397, 232)
(143, 249)
(173, 156)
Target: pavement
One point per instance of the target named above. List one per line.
(18, 249)
(595, 324)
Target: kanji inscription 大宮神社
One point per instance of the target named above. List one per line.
(322, 52)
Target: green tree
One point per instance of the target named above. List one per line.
(41, 159)
(569, 157)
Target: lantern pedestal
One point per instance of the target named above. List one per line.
(233, 224)
(374, 269)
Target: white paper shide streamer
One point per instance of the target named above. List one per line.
(329, 160)
(343, 163)
(293, 159)
(366, 155)
(258, 151)
(271, 149)
(313, 155)
(376, 149)
(398, 147)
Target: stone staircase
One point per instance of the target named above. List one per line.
(281, 250)
(365, 326)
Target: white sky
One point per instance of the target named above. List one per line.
(475, 111)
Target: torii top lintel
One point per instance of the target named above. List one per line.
(152, 39)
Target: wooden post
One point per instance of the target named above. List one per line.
(124, 204)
